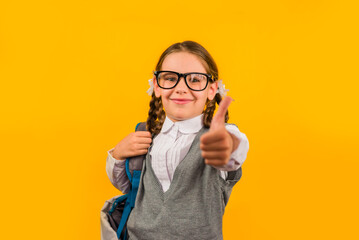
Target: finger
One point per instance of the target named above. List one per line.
(219, 118)
(223, 107)
(139, 152)
(143, 140)
(213, 147)
(213, 136)
(215, 155)
(143, 134)
(136, 152)
(142, 146)
(218, 163)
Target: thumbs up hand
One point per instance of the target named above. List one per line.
(217, 144)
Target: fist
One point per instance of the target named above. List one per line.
(218, 144)
(134, 144)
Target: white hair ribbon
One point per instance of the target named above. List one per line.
(150, 90)
(221, 90)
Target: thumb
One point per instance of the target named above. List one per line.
(219, 119)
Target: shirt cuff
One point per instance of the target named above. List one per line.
(116, 172)
(114, 159)
(113, 163)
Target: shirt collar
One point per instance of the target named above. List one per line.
(191, 125)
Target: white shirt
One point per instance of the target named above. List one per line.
(169, 148)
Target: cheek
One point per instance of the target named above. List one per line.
(165, 94)
(201, 97)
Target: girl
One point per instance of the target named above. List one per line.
(193, 159)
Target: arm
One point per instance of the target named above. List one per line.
(239, 154)
(218, 144)
(116, 172)
(134, 144)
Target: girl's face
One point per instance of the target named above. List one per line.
(181, 103)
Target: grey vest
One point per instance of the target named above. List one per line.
(193, 206)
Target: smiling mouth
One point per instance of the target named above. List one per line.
(181, 101)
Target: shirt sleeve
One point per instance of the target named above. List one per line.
(239, 155)
(116, 172)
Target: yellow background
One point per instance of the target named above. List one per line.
(73, 84)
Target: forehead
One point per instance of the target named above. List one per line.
(183, 62)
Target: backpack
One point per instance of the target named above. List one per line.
(115, 212)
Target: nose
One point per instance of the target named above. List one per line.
(181, 86)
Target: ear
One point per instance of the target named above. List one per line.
(156, 88)
(212, 90)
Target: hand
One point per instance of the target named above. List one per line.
(134, 144)
(217, 144)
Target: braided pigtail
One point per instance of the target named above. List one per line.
(156, 116)
(209, 111)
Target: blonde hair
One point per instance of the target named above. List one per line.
(156, 114)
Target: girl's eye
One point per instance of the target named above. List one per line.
(195, 80)
(171, 79)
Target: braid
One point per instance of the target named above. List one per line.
(208, 112)
(156, 115)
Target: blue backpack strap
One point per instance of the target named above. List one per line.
(134, 174)
(116, 202)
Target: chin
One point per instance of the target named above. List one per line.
(178, 117)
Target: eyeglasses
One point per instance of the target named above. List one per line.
(194, 80)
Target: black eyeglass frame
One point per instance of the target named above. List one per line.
(184, 75)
